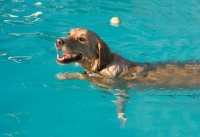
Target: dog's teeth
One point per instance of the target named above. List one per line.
(60, 58)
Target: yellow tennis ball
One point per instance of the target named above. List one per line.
(115, 20)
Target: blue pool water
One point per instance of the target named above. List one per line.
(33, 103)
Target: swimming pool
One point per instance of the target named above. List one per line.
(34, 103)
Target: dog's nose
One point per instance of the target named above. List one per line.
(60, 41)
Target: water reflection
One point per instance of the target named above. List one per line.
(122, 98)
(152, 98)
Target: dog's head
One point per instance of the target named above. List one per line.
(84, 47)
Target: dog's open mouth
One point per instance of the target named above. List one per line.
(68, 58)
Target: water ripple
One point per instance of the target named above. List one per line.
(20, 34)
(16, 134)
(10, 15)
(20, 116)
(23, 34)
(29, 19)
(38, 4)
(21, 22)
(34, 15)
(17, 0)
(3, 54)
(19, 59)
(18, 10)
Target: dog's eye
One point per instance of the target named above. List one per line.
(82, 39)
(68, 33)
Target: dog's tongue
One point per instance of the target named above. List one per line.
(65, 56)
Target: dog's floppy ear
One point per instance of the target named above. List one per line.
(104, 54)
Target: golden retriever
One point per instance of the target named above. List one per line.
(108, 69)
(112, 71)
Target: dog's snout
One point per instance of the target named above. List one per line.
(60, 41)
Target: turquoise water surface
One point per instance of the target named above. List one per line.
(33, 103)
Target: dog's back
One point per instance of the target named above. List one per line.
(177, 75)
(170, 75)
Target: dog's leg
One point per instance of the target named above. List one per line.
(63, 76)
(122, 97)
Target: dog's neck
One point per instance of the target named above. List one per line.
(102, 67)
(119, 66)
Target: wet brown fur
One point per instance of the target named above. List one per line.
(110, 70)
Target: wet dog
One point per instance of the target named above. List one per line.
(112, 71)
(107, 69)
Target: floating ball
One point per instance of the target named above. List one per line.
(115, 20)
